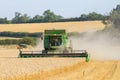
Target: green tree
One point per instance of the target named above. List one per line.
(92, 16)
(37, 18)
(19, 18)
(16, 18)
(83, 17)
(24, 18)
(115, 17)
(49, 16)
(4, 21)
(95, 16)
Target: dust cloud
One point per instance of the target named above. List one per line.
(100, 47)
(39, 46)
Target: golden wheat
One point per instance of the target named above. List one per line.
(2, 38)
(13, 68)
(40, 27)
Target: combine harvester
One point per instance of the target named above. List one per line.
(55, 45)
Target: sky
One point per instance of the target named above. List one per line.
(65, 8)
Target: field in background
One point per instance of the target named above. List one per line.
(40, 27)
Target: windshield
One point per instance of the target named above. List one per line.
(55, 40)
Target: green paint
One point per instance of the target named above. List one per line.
(50, 37)
(88, 58)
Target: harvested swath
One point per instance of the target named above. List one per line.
(77, 70)
(14, 67)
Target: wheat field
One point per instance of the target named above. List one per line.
(14, 68)
(40, 27)
(58, 69)
(2, 38)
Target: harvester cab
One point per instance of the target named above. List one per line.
(55, 44)
(54, 40)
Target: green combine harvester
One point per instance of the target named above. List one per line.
(55, 45)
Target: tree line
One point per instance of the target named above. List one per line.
(25, 40)
(49, 16)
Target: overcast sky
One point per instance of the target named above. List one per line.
(65, 8)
